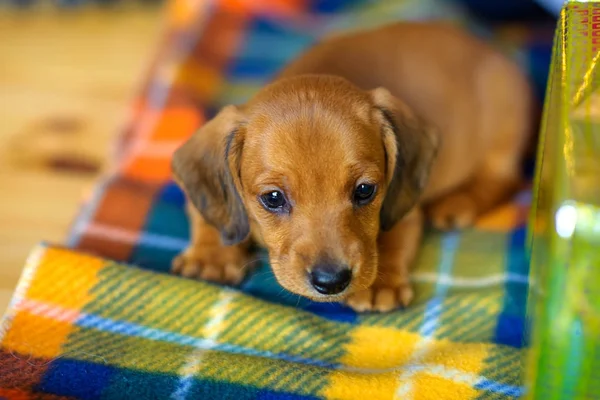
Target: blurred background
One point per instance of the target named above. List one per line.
(68, 69)
(67, 72)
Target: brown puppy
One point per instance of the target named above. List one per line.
(331, 166)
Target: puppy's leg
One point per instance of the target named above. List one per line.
(206, 257)
(505, 123)
(460, 208)
(397, 250)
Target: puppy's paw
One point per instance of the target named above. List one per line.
(215, 264)
(381, 298)
(455, 211)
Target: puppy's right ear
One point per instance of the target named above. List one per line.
(207, 168)
(411, 146)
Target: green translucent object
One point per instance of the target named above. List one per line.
(564, 230)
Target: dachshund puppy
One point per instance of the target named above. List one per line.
(334, 166)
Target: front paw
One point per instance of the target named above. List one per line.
(214, 263)
(381, 298)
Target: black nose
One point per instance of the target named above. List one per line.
(330, 278)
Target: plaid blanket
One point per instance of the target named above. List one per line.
(85, 324)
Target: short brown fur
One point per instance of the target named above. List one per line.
(432, 116)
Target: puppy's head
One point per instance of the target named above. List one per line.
(317, 167)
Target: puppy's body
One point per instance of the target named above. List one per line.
(315, 138)
(479, 101)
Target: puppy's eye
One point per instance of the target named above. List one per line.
(273, 201)
(363, 193)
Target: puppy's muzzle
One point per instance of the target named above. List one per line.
(330, 279)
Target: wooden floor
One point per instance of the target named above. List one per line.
(65, 79)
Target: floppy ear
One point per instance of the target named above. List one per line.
(410, 147)
(207, 168)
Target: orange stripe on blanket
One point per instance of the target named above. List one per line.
(156, 149)
(225, 31)
(59, 269)
(14, 394)
(44, 317)
(185, 12)
(144, 162)
(503, 219)
(177, 124)
(149, 169)
(203, 80)
(36, 335)
(278, 7)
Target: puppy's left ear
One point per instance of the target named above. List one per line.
(410, 146)
(207, 167)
